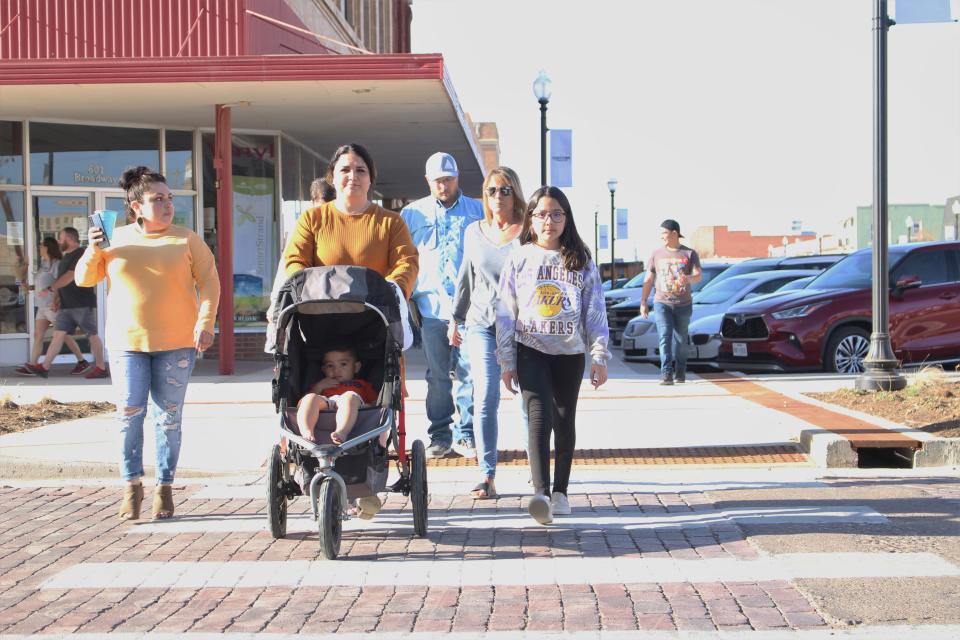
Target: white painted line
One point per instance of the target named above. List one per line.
(606, 519)
(905, 632)
(575, 570)
(459, 482)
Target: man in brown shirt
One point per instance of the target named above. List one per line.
(676, 267)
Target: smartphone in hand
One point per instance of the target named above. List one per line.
(105, 220)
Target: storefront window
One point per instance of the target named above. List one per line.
(13, 264)
(254, 222)
(179, 154)
(88, 156)
(11, 153)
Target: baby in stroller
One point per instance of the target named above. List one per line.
(339, 389)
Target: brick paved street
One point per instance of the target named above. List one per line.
(679, 558)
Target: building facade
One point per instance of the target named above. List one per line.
(927, 222)
(721, 242)
(267, 87)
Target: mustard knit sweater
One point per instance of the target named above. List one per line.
(161, 287)
(377, 238)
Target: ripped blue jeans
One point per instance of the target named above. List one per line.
(163, 376)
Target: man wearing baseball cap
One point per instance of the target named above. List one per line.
(437, 223)
(676, 267)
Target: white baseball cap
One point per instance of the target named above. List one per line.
(441, 165)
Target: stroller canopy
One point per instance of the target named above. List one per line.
(332, 290)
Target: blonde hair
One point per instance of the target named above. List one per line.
(510, 176)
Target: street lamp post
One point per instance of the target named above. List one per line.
(909, 223)
(596, 235)
(541, 90)
(880, 365)
(612, 185)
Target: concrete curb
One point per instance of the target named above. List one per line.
(828, 450)
(22, 469)
(834, 451)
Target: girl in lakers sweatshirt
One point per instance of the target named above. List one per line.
(550, 314)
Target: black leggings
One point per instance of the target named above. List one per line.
(550, 386)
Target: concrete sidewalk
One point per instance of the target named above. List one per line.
(230, 423)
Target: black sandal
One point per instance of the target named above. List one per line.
(484, 488)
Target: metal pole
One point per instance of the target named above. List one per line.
(543, 143)
(223, 165)
(881, 371)
(613, 235)
(596, 237)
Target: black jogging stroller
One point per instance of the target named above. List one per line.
(315, 308)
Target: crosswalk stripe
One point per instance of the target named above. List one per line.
(904, 632)
(898, 632)
(455, 482)
(607, 520)
(507, 571)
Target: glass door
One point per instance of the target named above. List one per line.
(53, 212)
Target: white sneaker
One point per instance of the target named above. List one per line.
(541, 509)
(465, 448)
(560, 504)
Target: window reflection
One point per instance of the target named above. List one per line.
(11, 153)
(13, 264)
(88, 156)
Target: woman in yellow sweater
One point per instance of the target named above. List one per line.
(161, 307)
(351, 230)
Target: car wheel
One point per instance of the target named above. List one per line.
(846, 350)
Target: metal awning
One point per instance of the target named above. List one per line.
(402, 107)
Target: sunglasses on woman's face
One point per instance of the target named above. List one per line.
(504, 191)
(555, 216)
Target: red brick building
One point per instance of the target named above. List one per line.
(237, 102)
(721, 242)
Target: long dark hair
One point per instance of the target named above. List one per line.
(356, 149)
(572, 247)
(134, 182)
(53, 248)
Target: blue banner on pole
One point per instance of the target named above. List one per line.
(622, 226)
(561, 157)
(922, 11)
(604, 241)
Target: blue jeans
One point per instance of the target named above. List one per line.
(481, 345)
(163, 375)
(672, 323)
(441, 391)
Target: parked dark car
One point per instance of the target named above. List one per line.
(827, 325)
(605, 285)
(818, 262)
(624, 304)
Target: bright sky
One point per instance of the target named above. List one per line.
(749, 113)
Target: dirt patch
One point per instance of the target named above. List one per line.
(14, 417)
(928, 405)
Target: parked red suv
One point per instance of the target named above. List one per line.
(827, 325)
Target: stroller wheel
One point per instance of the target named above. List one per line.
(418, 487)
(329, 517)
(276, 494)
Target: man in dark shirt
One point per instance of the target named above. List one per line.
(675, 268)
(77, 307)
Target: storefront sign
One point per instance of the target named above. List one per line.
(252, 248)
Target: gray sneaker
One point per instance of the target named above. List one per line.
(438, 449)
(666, 379)
(541, 509)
